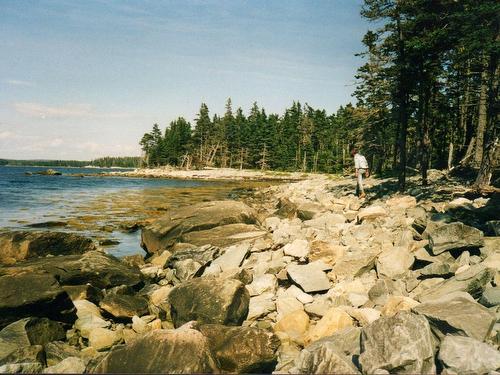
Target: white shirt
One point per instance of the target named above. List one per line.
(360, 162)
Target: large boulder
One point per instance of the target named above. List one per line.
(94, 267)
(458, 316)
(224, 235)
(465, 355)
(399, 344)
(242, 349)
(20, 245)
(209, 300)
(453, 236)
(33, 295)
(164, 232)
(161, 351)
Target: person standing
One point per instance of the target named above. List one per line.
(361, 166)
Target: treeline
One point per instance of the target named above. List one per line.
(427, 97)
(303, 138)
(105, 162)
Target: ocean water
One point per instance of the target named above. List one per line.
(87, 203)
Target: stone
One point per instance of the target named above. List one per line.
(25, 354)
(69, 365)
(165, 231)
(161, 351)
(494, 227)
(33, 295)
(57, 351)
(271, 223)
(382, 290)
(191, 262)
(327, 252)
(261, 284)
(124, 306)
(383, 340)
(326, 221)
(324, 357)
(296, 292)
(401, 202)
(286, 304)
(232, 257)
(491, 297)
(357, 299)
(453, 236)
(334, 320)
(103, 338)
(261, 306)
(139, 325)
(22, 368)
(93, 267)
(160, 259)
(309, 277)
(396, 304)
(493, 261)
(458, 316)
(21, 245)
(295, 325)
(307, 210)
(319, 307)
(394, 262)
(224, 235)
(242, 349)
(437, 269)
(354, 264)
(209, 300)
(370, 213)
(86, 291)
(297, 249)
(89, 318)
(465, 355)
(472, 281)
(364, 316)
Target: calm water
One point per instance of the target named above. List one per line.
(28, 199)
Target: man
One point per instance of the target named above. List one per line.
(361, 166)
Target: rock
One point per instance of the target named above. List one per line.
(260, 306)
(319, 307)
(161, 258)
(453, 236)
(89, 318)
(334, 320)
(25, 354)
(357, 299)
(437, 269)
(304, 298)
(272, 223)
(364, 316)
(33, 294)
(209, 300)
(103, 338)
(294, 325)
(382, 290)
(242, 349)
(396, 304)
(458, 316)
(124, 306)
(394, 262)
(161, 351)
(20, 245)
(494, 227)
(308, 210)
(401, 202)
(139, 325)
(57, 351)
(382, 341)
(286, 304)
(134, 261)
(22, 368)
(465, 355)
(232, 257)
(309, 277)
(261, 284)
(491, 297)
(326, 221)
(472, 281)
(93, 267)
(225, 235)
(371, 213)
(87, 291)
(171, 228)
(354, 264)
(69, 365)
(325, 357)
(493, 260)
(297, 249)
(191, 262)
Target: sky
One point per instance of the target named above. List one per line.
(85, 79)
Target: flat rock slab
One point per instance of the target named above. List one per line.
(309, 277)
(232, 257)
(454, 236)
(458, 316)
(123, 306)
(161, 351)
(399, 344)
(33, 295)
(491, 297)
(242, 350)
(465, 355)
(209, 300)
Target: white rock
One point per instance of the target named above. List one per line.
(364, 315)
(260, 306)
(139, 325)
(371, 212)
(102, 338)
(286, 305)
(297, 249)
(261, 284)
(394, 262)
(272, 223)
(357, 299)
(89, 317)
(233, 257)
(294, 291)
(69, 365)
(309, 278)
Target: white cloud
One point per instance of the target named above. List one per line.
(4, 135)
(70, 110)
(18, 82)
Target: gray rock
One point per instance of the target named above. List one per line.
(383, 340)
(458, 316)
(491, 297)
(454, 236)
(232, 257)
(191, 262)
(242, 349)
(20, 245)
(309, 277)
(31, 354)
(420, 217)
(171, 228)
(182, 350)
(123, 306)
(21, 368)
(57, 351)
(382, 290)
(465, 355)
(209, 300)
(438, 269)
(33, 294)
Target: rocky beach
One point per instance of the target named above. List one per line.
(300, 277)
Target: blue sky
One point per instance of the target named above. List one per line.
(83, 79)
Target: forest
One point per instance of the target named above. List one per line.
(104, 162)
(426, 97)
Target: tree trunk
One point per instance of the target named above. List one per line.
(402, 108)
(482, 116)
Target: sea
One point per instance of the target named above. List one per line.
(28, 198)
